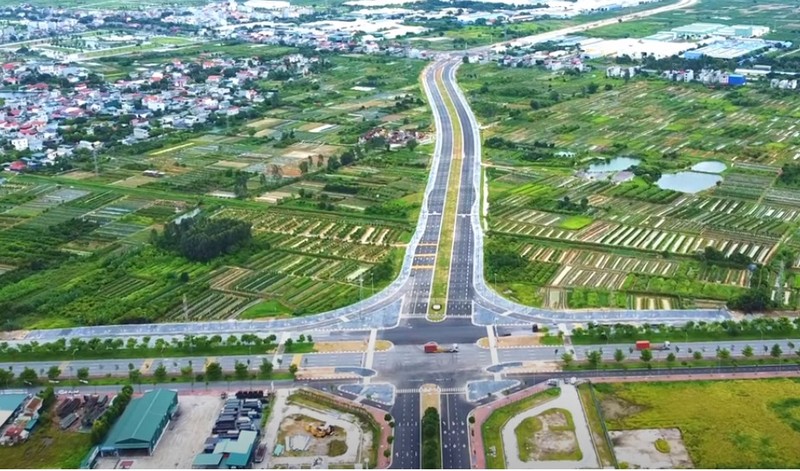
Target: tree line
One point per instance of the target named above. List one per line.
(431, 440)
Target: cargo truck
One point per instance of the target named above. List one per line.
(433, 347)
(646, 345)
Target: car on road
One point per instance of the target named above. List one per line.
(552, 382)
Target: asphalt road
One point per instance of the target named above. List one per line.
(407, 431)
(460, 292)
(414, 331)
(454, 410)
(422, 269)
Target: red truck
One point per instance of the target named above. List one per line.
(433, 347)
(646, 345)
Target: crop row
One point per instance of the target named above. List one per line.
(728, 276)
(303, 265)
(510, 227)
(660, 240)
(297, 291)
(649, 193)
(738, 215)
(528, 216)
(209, 306)
(323, 228)
(577, 276)
(364, 253)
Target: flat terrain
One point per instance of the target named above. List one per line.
(762, 433)
(325, 235)
(563, 235)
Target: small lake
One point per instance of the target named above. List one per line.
(709, 166)
(688, 182)
(614, 165)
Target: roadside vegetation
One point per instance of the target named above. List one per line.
(431, 439)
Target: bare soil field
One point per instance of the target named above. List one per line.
(637, 449)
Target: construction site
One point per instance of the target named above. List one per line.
(303, 433)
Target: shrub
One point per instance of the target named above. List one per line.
(662, 446)
(337, 448)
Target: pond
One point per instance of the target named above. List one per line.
(709, 166)
(614, 165)
(688, 182)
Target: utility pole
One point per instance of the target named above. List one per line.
(96, 166)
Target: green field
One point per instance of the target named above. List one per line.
(584, 241)
(329, 215)
(762, 433)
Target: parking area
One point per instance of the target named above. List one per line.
(182, 440)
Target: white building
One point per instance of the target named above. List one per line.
(20, 143)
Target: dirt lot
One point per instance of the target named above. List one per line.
(183, 439)
(637, 448)
(555, 440)
(296, 425)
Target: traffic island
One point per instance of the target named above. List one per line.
(431, 427)
(489, 419)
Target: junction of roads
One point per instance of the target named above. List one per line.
(401, 314)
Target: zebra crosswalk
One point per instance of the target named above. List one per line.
(421, 390)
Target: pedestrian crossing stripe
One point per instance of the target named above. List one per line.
(421, 390)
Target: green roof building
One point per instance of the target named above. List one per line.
(231, 454)
(142, 423)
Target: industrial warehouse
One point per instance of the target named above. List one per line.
(141, 425)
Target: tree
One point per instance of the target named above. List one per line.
(647, 355)
(595, 357)
(135, 376)
(83, 374)
(697, 355)
(240, 370)
(186, 372)
(29, 376)
(213, 371)
(160, 374)
(288, 345)
(567, 358)
(292, 369)
(723, 354)
(776, 351)
(671, 358)
(619, 355)
(53, 373)
(265, 368)
(747, 351)
(6, 376)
